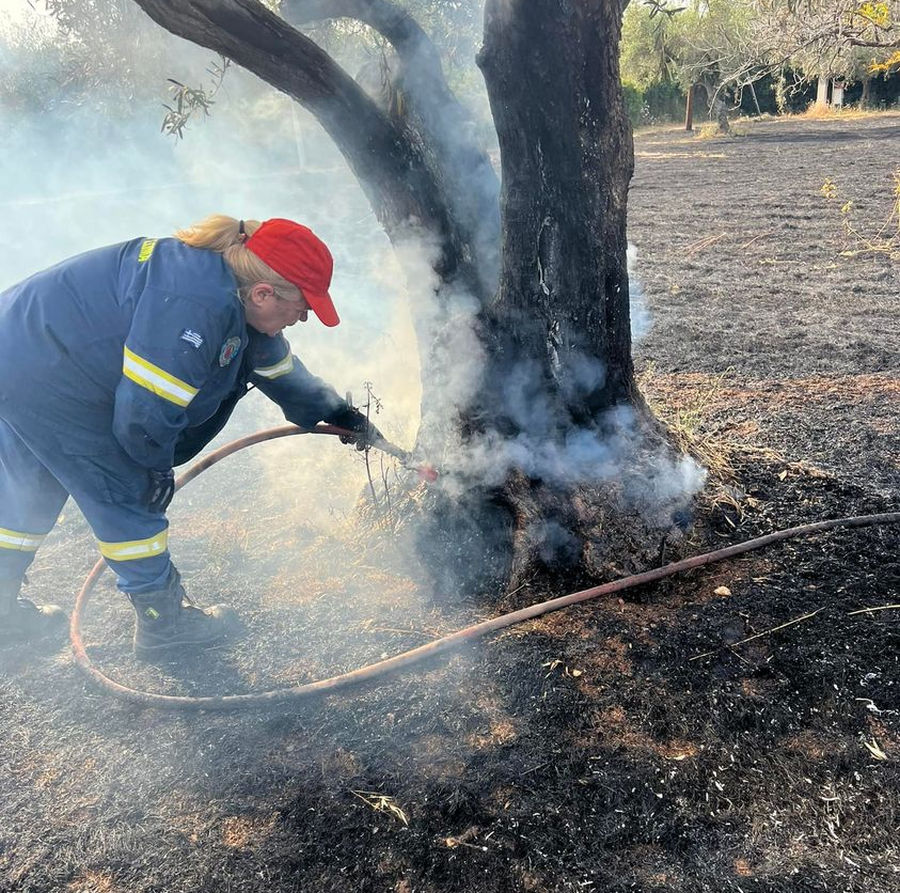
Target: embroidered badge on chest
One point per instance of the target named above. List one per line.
(192, 337)
(229, 351)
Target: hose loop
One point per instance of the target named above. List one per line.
(294, 694)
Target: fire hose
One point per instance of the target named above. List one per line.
(293, 694)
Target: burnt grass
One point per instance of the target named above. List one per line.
(625, 744)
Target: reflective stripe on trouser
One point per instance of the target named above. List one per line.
(37, 470)
(30, 502)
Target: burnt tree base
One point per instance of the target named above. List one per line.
(492, 542)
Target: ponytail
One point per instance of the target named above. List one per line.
(225, 234)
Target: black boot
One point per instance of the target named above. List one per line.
(167, 622)
(22, 620)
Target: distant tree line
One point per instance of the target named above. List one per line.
(758, 56)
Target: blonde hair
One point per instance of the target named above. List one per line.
(221, 233)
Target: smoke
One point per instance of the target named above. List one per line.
(88, 173)
(546, 448)
(641, 321)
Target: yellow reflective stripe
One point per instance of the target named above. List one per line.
(19, 541)
(282, 367)
(154, 545)
(157, 380)
(147, 247)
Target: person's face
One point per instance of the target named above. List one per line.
(269, 311)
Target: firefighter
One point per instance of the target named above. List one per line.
(123, 362)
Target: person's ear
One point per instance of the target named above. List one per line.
(260, 291)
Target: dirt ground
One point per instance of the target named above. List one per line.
(625, 744)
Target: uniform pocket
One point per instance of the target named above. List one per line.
(100, 468)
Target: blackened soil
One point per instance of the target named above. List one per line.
(621, 745)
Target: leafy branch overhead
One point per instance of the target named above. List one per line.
(189, 101)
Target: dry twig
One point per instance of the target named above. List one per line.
(766, 632)
(381, 803)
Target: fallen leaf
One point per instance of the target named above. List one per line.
(875, 749)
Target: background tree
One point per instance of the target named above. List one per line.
(696, 43)
(727, 46)
(824, 39)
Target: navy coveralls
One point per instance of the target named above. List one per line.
(118, 361)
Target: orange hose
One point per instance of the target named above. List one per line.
(381, 668)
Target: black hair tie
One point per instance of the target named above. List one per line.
(241, 231)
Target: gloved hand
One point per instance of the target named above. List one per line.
(162, 489)
(363, 432)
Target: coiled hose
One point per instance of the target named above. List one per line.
(289, 695)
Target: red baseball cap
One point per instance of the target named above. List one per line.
(295, 252)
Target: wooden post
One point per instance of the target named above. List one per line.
(689, 110)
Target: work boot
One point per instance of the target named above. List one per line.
(22, 620)
(167, 622)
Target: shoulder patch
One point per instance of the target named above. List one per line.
(192, 337)
(229, 351)
(146, 250)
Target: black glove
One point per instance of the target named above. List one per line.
(362, 432)
(162, 489)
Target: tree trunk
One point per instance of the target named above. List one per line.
(755, 100)
(555, 440)
(822, 92)
(717, 108)
(567, 159)
(866, 91)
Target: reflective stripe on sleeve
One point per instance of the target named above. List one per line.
(157, 380)
(19, 541)
(282, 367)
(154, 545)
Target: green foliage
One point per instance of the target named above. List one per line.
(190, 101)
(667, 47)
(101, 56)
(727, 44)
(645, 54)
(634, 103)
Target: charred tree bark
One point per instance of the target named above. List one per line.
(567, 159)
(557, 424)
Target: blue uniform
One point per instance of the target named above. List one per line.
(119, 361)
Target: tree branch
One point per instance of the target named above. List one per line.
(395, 24)
(440, 124)
(390, 169)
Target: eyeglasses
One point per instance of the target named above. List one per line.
(291, 299)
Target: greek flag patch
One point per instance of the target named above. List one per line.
(192, 337)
